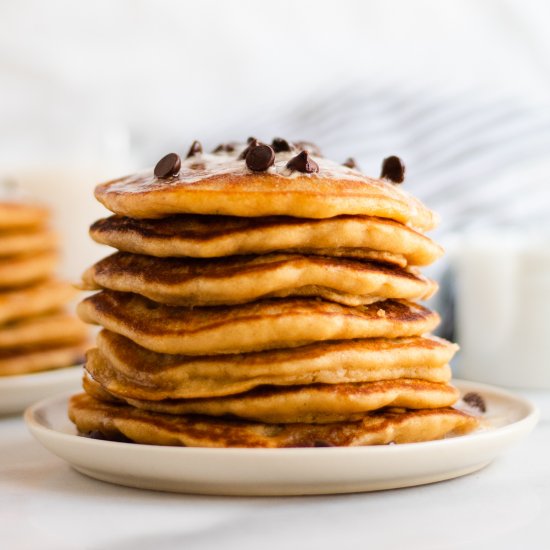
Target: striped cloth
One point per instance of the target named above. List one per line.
(480, 161)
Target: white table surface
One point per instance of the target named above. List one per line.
(45, 505)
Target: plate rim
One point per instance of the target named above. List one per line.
(529, 421)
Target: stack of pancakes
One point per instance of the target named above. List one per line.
(36, 333)
(264, 296)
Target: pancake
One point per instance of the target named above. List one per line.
(215, 236)
(221, 184)
(256, 326)
(23, 270)
(26, 241)
(314, 403)
(30, 359)
(114, 421)
(241, 279)
(56, 328)
(127, 370)
(34, 300)
(18, 215)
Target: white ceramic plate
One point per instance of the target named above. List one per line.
(18, 392)
(285, 471)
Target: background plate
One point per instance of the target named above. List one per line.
(18, 392)
(285, 471)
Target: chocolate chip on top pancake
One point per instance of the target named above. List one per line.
(127, 370)
(241, 279)
(315, 403)
(255, 326)
(375, 428)
(214, 236)
(225, 184)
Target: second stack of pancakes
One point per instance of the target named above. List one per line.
(280, 321)
(36, 332)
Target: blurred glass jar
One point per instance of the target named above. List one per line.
(56, 145)
(503, 308)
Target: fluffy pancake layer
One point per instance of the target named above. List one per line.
(29, 359)
(127, 370)
(256, 326)
(23, 270)
(377, 428)
(216, 236)
(13, 243)
(221, 184)
(241, 279)
(19, 215)
(313, 403)
(56, 328)
(34, 300)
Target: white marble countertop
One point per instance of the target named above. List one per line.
(45, 505)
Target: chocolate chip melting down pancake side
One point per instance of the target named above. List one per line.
(215, 236)
(314, 403)
(127, 370)
(241, 279)
(223, 184)
(267, 324)
(376, 428)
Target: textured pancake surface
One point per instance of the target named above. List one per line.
(266, 324)
(15, 215)
(26, 241)
(215, 236)
(221, 184)
(241, 279)
(314, 403)
(34, 300)
(25, 269)
(376, 428)
(127, 370)
(56, 328)
(29, 359)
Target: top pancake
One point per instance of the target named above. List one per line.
(221, 184)
(18, 215)
(215, 236)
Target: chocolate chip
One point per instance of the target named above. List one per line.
(281, 145)
(351, 163)
(322, 444)
(393, 169)
(260, 157)
(168, 165)
(195, 149)
(251, 144)
(224, 148)
(476, 401)
(311, 147)
(250, 140)
(303, 163)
